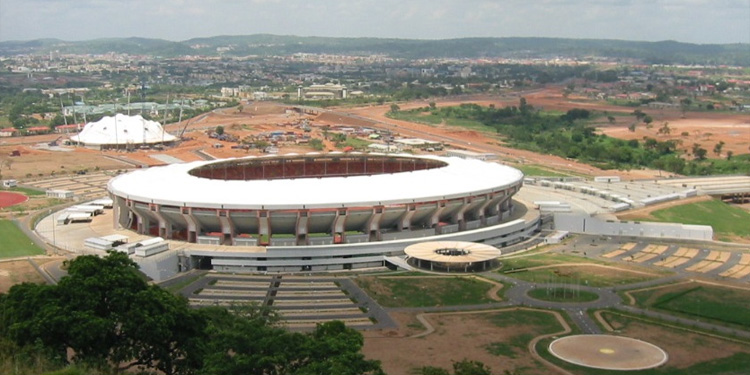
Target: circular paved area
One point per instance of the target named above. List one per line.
(8, 199)
(608, 352)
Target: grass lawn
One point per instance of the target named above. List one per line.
(355, 143)
(562, 295)
(538, 323)
(175, 288)
(708, 303)
(535, 170)
(421, 118)
(429, 119)
(724, 218)
(425, 291)
(27, 191)
(15, 243)
(581, 275)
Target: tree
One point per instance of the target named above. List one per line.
(718, 147)
(698, 152)
(648, 120)
(524, 107)
(639, 115)
(261, 144)
(664, 129)
(316, 144)
(240, 108)
(730, 153)
(249, 343)
(466, 367)
(611, 119)
(395, 108)
(219, 130)
(685, 105)
(109, 316)
(463, 367)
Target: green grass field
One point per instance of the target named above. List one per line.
(706, 303)
(425, 291)
(725, 219)
(578, 275)
(562, 295)
(536, 322)
(420, 118)
(27, 191)
(355, 143)
(535, 170)
(15, 243)
(428, 118)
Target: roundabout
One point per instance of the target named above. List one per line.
(608, 352)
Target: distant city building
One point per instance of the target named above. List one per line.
(326, 91)
(8, 132)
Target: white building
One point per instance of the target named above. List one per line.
(122, 131)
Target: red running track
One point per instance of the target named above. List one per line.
(9, 199)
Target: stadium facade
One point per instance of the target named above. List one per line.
(318, 211)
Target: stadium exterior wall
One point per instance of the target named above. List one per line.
(324, 216)
(346, 256)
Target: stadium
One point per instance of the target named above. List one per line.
(318, 211)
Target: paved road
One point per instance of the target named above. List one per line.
(578, 312)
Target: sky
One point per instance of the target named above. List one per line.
(692, 21)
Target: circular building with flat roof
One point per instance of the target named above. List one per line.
(344, 201)
(452, 256)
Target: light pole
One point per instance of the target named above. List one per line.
(54, 246)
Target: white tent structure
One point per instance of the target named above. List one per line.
(122, 131)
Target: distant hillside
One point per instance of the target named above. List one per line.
(264, 44)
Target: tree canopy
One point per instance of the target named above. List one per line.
(105, 315)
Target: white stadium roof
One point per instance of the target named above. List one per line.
(173, 185)
(121, 130)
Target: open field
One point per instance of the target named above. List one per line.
(689, 353)
(727, 220)
(425, 291)
(561, 268)
(726, 306)
(499, 339)
(14, 272)
(14, 243)
(589, 275)
(536, 170)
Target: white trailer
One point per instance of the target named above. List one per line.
(104, 202)
(79, 217)
(90, 208)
